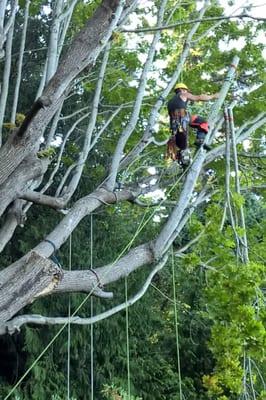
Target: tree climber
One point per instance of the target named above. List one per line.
(180, 120)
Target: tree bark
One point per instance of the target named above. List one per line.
(31, 168)
(37, 276)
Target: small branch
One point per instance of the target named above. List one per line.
(172, 26)
(62, 148)
(190, 243)
(68, 11)
(39, 198)
(253, 187)
(256, 155)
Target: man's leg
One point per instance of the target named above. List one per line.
(183, 155)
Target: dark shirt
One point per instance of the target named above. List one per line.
(176, 103)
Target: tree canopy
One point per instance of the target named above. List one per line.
(123, 275)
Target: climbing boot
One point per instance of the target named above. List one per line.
(199, 142)
(185, 157)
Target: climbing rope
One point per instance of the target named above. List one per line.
(69, 323)
(91, 300)
(127, 338)
(176, 329)
(180, 40)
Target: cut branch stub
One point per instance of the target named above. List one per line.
(37, 277)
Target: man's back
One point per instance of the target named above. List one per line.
(176, 103)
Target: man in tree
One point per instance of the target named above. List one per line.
(180, 120)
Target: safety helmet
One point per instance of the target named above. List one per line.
(181, 86)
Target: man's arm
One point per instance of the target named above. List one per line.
(202, 97)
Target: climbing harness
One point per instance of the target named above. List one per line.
(179, 120)
(177, 145)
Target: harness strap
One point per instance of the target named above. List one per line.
(179, 113)
(53, 256)
(100, 285)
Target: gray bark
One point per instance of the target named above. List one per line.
(19, 181)
(52, 53)
(6, 75)
(5, 26)
(38, 276)
(228, 205)
(14, 217)
(20, 62)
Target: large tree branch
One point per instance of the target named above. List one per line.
(15, 324)
(36, 276)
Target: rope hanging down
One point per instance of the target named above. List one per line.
(241, 242)
(176, 329)
(91, 301)
(69, 324)
(127, 337)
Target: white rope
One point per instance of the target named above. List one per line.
(176, 330)
(127, 337)
(69, 324)
(91, 327)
